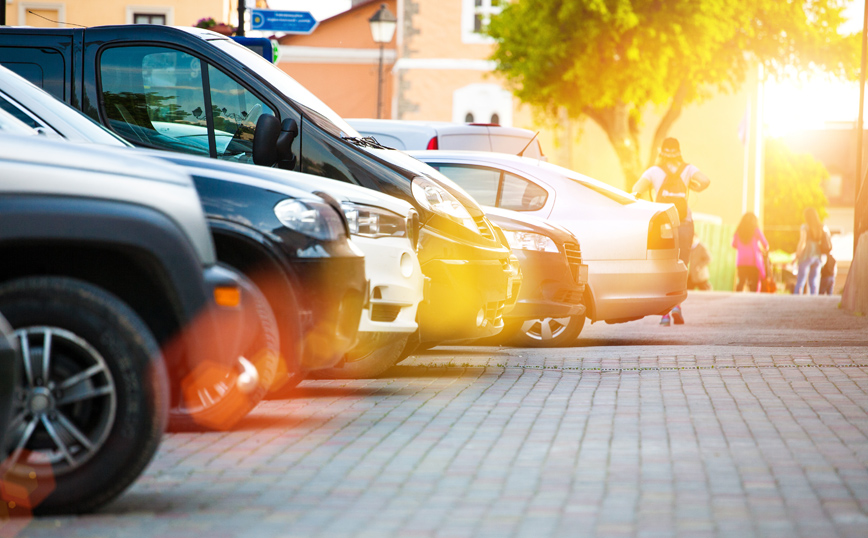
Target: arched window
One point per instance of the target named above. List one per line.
(479, 102)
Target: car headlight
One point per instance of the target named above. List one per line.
(374, 221)
(529, 241)
(315, 219)
(435, 198)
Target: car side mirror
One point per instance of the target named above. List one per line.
(272, 142)
(265, 140)
(288, 132)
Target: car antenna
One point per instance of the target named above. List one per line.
(55, 22)
(521, 153)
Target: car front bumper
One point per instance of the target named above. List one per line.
(549, 289)
(469, 287)
(396, 285)
(625, 290)
(331, 295)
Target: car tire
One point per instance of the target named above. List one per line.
(372, 355)
(287, 384)
(223, 405)
(83, 431)
(545, 332)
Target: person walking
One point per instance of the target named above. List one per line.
(751, 246)
(814, 239)
(698, 274)
(671, 180)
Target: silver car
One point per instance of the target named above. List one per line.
(629, 245)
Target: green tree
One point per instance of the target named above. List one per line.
(609, 60)
(793, 181)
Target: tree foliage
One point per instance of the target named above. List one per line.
(610, 59)
(792, 182)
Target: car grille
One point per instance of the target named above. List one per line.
(494, 312)
(574, 258)
(484, 228)
(385, 312)
(567, 296)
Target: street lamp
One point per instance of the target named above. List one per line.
(383, 25)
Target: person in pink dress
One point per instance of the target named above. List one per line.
(750, 245)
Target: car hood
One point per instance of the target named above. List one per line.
(399, 159)
(105, 173)
(515, 220)
(294, 184)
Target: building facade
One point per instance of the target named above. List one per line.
(61, 13)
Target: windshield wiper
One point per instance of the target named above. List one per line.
(365, 142)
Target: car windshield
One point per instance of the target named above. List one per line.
(610, 192)
(314, 109)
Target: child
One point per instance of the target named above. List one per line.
(750, 244)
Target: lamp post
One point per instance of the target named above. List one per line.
(383, 25)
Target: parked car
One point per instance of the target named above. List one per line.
(549, 311)
(108, 278)
(147, 84)
(385, 228)
(629, 245)
(419, 135)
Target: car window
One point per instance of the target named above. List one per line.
(519, 194)
(315, 110)
(479, 182)
(19, 114)
(155, 97)
(490, 186)
(235, 113)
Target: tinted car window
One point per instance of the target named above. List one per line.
(17, 112)
(480, 183)
(156, 97)
(235, 113)
(519, 194)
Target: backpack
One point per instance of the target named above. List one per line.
(826, 242)
(674, 191)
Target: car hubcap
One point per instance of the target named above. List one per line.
(545, 328)
(66, 405)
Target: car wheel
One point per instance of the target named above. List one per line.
(547, 332)
(93, 399)
(372, 355)
(285, 384)
(216, 401)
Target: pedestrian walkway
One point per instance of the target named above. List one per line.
(750, 420)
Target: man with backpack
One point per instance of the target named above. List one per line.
(671, 180)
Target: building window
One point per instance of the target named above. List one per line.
(481, 102)
(41, 14)
(476, 14)
(149, 18)
(150, 15)
(482, 12)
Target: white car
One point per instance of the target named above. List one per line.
(418, 135)
(629, 245)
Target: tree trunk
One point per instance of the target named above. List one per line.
(621, 127)
(855, 296)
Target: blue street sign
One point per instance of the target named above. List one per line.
(291, 22)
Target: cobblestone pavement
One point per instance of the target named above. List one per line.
(750, 420)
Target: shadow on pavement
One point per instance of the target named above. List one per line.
(456, 370)
(348, 391)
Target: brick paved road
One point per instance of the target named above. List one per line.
(751, 420)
